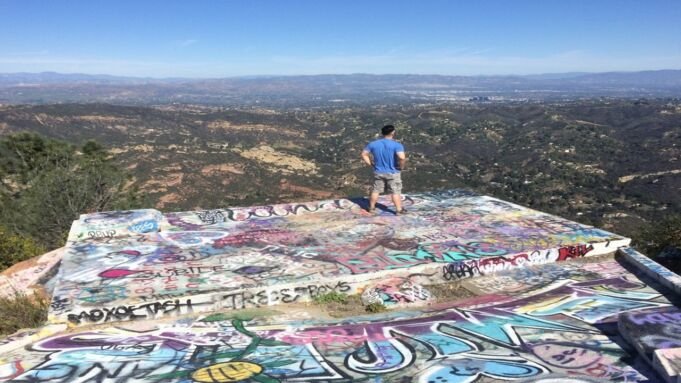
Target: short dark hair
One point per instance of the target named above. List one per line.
(387, 130)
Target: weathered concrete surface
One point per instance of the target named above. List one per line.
(394, 292)
(653, 269)
(655, 334)
(141, 265)
(26, 277)
(667, 363)
(650, 330)
(535, 319)
(547, 329)
(117, 224)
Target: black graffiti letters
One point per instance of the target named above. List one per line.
(458, 270)
(246, 299)
(132, 312)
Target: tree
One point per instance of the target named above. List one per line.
(47, 184)
(22, 155)
(662, 235)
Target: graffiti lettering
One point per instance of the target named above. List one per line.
(101, 233)
(131, 312)
(569, 252)
(211, 217)
(272, 249)
(458, 270)
(245, 299)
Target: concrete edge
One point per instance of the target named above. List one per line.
(665, 364)
(26, 276)
(652, 269)
(305, 291)
(23, 338)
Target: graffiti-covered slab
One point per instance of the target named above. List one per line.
(667, 363)
(109, 224)
(25, 277)
(650, 330)
(549, 334)
(653, 269)
(150, 266)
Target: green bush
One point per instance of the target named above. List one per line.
(22, 311)
(15, 248)
(663, 234)
(332, 297)
(375, 307)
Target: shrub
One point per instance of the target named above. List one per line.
(22, 311)
(332, 297)
(661, 235)
(375, 307)
(15, 248)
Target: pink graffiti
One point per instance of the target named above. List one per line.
(118, 273)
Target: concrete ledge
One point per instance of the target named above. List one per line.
(25, 277)
(136, 265)
(305, 290)
(653, 269)
(111, 224)
(667, 363)
(651, 330)
(25, 337)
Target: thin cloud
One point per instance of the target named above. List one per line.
(43, 52)
(186, 43)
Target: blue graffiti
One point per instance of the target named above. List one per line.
(469, 369)
(147, 226)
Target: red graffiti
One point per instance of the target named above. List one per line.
(569, 252)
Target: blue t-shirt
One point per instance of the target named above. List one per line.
(385, 151)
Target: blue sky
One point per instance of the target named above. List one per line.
(237, 38)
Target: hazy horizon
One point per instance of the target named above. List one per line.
(330, 74)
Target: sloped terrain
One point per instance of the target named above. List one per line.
(609, 163)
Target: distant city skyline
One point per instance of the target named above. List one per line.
(305, 37)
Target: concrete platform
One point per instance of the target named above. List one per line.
(139, 265)
(545, 323)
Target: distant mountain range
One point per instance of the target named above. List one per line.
(50, 87)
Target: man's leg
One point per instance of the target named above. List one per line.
(372, 200)
(395, 186)
(397, 200)
(378, 186)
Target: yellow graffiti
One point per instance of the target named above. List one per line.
(226, 372)
(543, 305)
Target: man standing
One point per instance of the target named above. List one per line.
(387, 158)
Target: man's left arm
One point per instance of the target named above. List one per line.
(402, 159)
(366, 158)
(401, 156)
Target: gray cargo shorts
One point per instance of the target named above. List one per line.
(388, 183)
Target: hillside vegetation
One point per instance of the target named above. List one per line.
(45, 184)
(610, 163)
